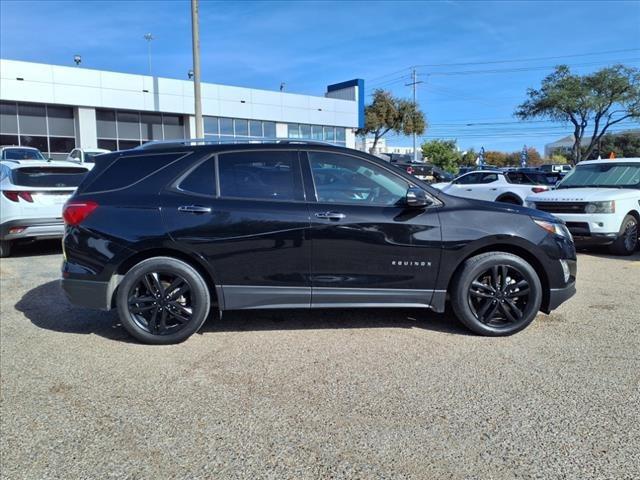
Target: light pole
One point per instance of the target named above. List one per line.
(148, 37)
(195, 39)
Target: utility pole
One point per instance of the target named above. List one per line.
(148, 37)
(195, 38)
(414, 83)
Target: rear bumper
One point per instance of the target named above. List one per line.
(32, 228)
(557, 296)
(88, 293)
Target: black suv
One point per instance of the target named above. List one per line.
(168, 233)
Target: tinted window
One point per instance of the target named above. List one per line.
(125, 171)
(345, 179)
(36, 142)
(21, 154)
(468, 179)
(265, 175)
(61, 144)
(48, 176)
(488, 178)
(33, 119)
(108, 144)
(201, 180)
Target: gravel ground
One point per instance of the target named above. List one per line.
(330, 394)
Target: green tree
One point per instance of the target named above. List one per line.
(602, 99)
(623, 145)
(391, 114)
(469, 158)
(443, 154)
(557, 158)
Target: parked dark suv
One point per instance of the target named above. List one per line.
(168, 233)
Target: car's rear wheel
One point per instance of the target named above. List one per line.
(5, 248)
(496, 294)
(163, 300)
(627, 240)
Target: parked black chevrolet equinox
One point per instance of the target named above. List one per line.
(169, 232)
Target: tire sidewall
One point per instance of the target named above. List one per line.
(199, 291)
(474, 267)
(619, 247)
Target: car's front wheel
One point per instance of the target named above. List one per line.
(163, 300)
(627, 240)
(496, 294)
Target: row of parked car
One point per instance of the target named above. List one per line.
(599, 200)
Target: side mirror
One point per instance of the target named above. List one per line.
(416, 197)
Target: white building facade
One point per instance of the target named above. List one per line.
(57, 108)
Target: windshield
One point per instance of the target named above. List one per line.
(21, 154)
(611, 175)
(91, 157)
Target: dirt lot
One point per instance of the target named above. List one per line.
(331, 394)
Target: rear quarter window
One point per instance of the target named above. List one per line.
(49, 177)
(128, 170)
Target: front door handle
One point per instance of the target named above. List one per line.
(194, 209)
(469, 189)
(331, 215)
(493, 189)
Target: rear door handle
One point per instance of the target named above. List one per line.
(331, 215)
(494, 189)
(194, 209)
(469, 190)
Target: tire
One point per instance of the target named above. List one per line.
(627, 240)
(507, 309)
(162, 300)
(5, 248)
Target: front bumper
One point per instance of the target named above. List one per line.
(88, 293)
(32, 228)
(557, 296)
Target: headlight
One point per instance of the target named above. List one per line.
(554, 228)
(601, 207)
(530, 204)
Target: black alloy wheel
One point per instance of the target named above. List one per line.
(496, 293)
(161, 303)
(499, 296)
(163, 300)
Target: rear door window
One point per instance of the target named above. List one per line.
(49, 177)
(260, 175)
(201, 180)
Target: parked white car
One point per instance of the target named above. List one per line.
(496, 186)
(32, 193)
(85, 156)
(600, 202)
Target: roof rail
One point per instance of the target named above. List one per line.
(209, 141)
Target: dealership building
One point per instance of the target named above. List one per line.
(57, 108)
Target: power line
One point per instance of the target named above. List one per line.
(534, 59)
(524, 69)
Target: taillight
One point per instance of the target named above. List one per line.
(15, 195)
(539, 189)
(410, 170)
(74, 213)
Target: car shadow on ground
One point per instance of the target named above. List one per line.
(47, 308)
(36, 249)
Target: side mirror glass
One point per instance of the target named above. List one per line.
(416, 197)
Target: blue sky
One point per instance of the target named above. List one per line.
(309, 45)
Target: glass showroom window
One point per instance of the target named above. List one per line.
(335, 135)
(232, 129)
(121, 129)
(48, 128)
